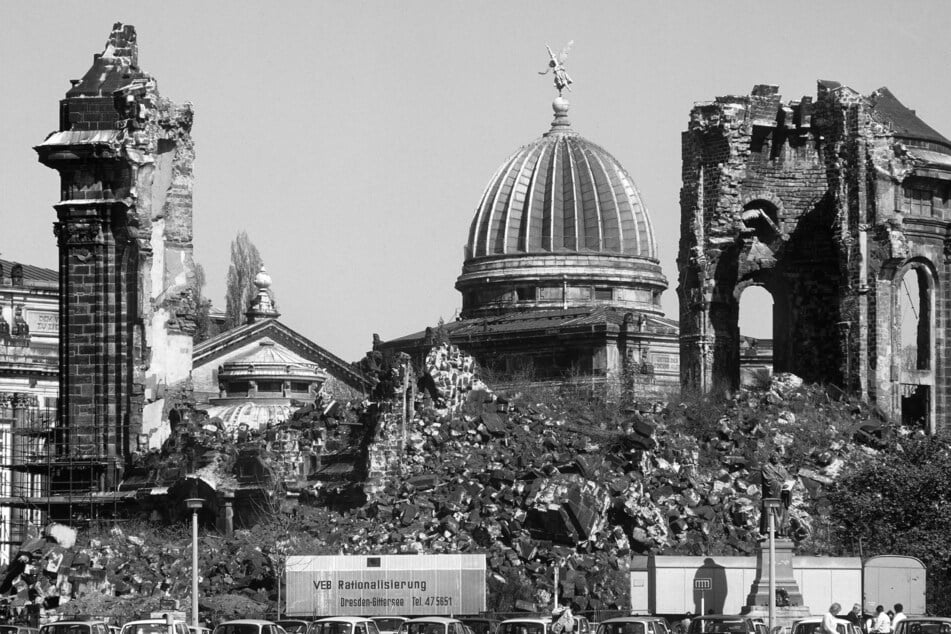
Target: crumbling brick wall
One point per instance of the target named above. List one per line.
(809, 200)
(124, 229)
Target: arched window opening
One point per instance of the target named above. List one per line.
(762, 219)
(914, 321)
(756, 336)
(914, 346)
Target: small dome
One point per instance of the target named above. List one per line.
(561, 193)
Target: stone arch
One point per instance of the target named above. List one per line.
(761, 215)
(911, 384)
(781, 322)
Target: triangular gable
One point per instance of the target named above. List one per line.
(220, 345)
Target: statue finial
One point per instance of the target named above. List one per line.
(557, 66)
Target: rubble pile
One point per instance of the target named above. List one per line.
(126, 573)
(585, 483)
(535, 480)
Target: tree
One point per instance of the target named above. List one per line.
(245, 264)
(899, 503)
(203, 306)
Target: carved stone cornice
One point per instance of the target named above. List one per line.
(85, 231)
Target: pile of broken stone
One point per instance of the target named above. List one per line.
(533, 479)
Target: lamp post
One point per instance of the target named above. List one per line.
(195, 505)
(771, 506)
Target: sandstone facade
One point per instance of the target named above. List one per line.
(124, 229)
(827, 203)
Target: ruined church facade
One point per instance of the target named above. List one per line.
(126, 275)
(840, 207)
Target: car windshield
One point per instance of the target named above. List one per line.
(634, 627)
(66, 628)
(237, 628)
(423, 627)
(332, 627)
(479, 626)
(293, 627)
(145, 628)
(718, 626)
(523, 627)
(389, 624)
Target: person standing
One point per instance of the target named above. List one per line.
(855, 616)
(828, 619)
(882, 624)
(899, 616)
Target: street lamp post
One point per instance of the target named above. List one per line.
(770, 506)
(195, 505)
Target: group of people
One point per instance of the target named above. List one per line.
(881, 622)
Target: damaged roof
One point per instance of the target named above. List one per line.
(540, 321)
(904, 121)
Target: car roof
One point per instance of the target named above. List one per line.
(939, 619)
(432, 619)
(529, 619)
(247, 622)
(344, 619)
(78, 622)
(631, 619)
(817, 619)
(148, 621)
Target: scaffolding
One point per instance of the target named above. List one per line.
(45, 478)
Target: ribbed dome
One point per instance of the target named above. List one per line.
(560, 225)
(561, 193)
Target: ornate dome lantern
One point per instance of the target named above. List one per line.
(560, 224)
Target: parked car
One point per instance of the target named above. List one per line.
(923, 625)
(525, 625)
(432, 625)
(481, 624)
(813, 625)
(154, 626)
(582, 625)
(248, 626)
(722, 624)
(75, 627)
(294, 626)
(389, 624)
(633, 625)
(343, 625)
(18, 629)
(193, 629)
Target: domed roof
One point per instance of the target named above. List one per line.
(561, 193)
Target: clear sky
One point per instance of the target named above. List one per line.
(352, 140)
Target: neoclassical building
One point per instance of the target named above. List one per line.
(262, 371)
(561, 276)
(29, 387)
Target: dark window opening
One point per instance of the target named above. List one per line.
(271, 386)
(238, 387)
(525, 293)
(300, 386)
(762, 219)
(604, 293)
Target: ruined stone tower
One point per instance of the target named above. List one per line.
(839, 207)
(126, 273)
